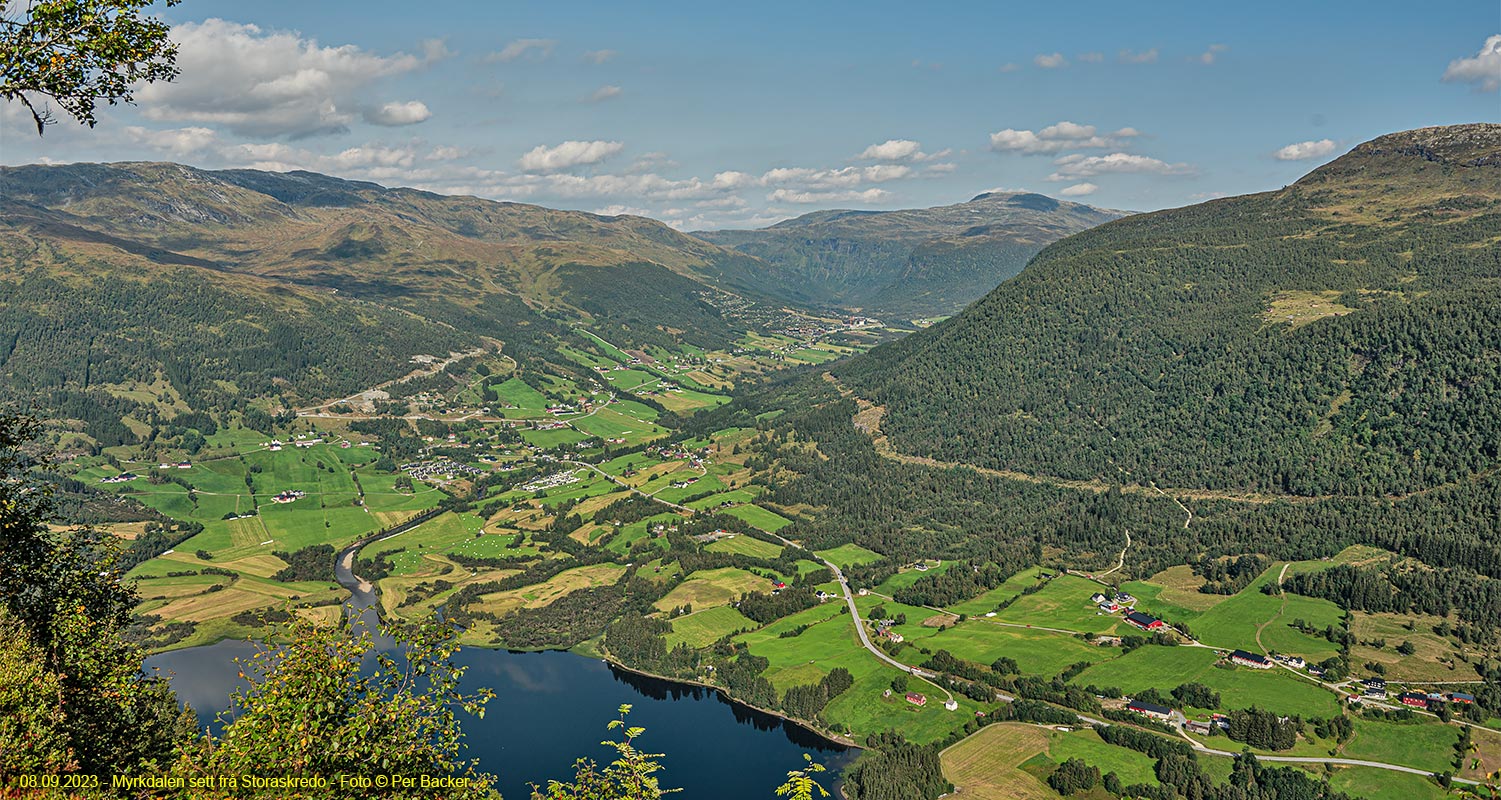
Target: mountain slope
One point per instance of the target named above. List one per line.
(237, 285)
(913, 262)
(1339, 336)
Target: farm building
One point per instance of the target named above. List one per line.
(1196, 726)
(1251, 660)
(1414, 699)
(1149, 709)
(1097, 598)
(917, 699)
(1143, 621)
(951, 705)
(1461, 697)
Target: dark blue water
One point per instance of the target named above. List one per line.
(551, 708)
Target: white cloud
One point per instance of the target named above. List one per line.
(1144, 57)
(617, 209)
(728, 201)
(1210, 55)
(267, 83)
(731, 179)
(599, 56)
(604, 93)
(568, 154)
(1092, 58)
(1050, 60)
(1482, 69)
(1078, 189)
(179, 141)
(394, 114)
(841, 178)
(435, 50)
(446, 153)
(1301, 150)
(1010, 66)
(892, 150)
(942, 169)
(1056, 138)
(1075, 166)
(899, 150)
(540, 48)
(808, 197)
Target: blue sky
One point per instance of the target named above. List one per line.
(731, 115)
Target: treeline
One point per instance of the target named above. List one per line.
(1405, 591)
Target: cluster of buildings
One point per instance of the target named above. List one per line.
(1111, 604)
(124, 477)
(178, 465)
(1375, 689)
(712, 536)
(552, 481)
(288, 496)
(884, 631)
(438, 470)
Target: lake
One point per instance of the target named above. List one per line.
(552, 707)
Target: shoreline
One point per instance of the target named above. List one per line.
(832, 738)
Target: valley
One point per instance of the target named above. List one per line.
(1244, 509)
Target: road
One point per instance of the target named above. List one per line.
(1122, 561)
(931, 677)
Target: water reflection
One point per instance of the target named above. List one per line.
(551, 708)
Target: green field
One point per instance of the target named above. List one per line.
(807, 657)
(1087, 746)
(1036, 652)
(1064, 604)
(1236, 622)
(849, 555)
(746, 545)
(759, 517)
(988, 601)
(516, 392)
(713, 501)
(1425, 745)
(1380, 784)
(703, 628)
(1163, 668)
(713, 587)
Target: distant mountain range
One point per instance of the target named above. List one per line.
(1339, 336)
(909, 263)
(237, 285)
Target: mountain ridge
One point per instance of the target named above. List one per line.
(910, 262)
(1334, 336)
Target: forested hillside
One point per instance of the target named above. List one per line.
(910, 263)
(1341, 336)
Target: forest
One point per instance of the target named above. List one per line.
(1258, 344)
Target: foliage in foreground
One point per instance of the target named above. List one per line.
(312, 710)
(79, 52)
